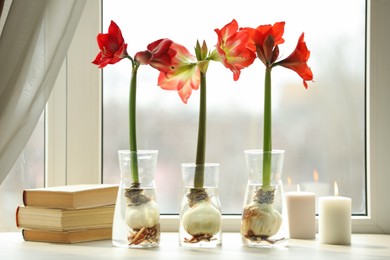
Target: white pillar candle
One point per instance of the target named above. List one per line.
(334, 226)
(301, 214)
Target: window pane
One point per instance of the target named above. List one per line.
(322, 129)
(27, 172)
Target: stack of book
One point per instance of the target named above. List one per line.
(67, 214)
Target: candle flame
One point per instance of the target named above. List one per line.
(289, 181)
(316, 176)
(298, 187)
(336, 189)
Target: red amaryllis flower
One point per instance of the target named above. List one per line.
(184, 75)
(159, 55)
(265, 40)
(232, 48)
(112, 46)
(297, 61)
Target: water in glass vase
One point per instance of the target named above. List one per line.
(136, 221)
(137, 224)
(263, 222)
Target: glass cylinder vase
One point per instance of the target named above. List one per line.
(137, 218)
(200, 214)
(264, 222)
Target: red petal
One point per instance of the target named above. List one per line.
(103, 40)
(277, 32)
(114, 30)
(296, 61)
(185, 94)
(229, 29)
(160, 47)
(98, 60)
(153, 45)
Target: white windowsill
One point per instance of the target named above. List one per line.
(364, 246)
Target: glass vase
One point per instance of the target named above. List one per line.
(137, 218)
(200, 214)
(264, 221)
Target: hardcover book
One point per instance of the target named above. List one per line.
(72, 196)
(64, 219)
(68, 237)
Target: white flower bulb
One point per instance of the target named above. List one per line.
(202, 218)
(143, 215)
(260, 220)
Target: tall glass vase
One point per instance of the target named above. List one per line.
(264, 222)
(200, 214)
(137, 218)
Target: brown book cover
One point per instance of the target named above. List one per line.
(68, 237)
(64, 219)
(72, 196)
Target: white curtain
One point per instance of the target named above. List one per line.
(33, 43)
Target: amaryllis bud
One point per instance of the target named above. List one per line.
(275, 54)
(143, 57)
(268, 46)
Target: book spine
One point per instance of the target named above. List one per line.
(23, 235)
(24, 198)
(17, 216)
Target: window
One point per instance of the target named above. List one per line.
(83, 99)
(322, 129)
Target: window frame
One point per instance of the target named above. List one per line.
(73, 123)
(73, 111)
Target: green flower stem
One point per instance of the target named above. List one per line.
(267, 138)
(132, 124)
(201, 146)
